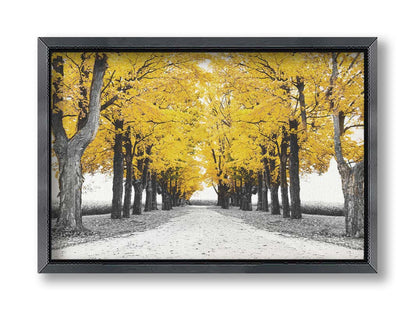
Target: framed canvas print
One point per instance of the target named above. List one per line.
(252, 155)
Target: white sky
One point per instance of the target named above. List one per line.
(324, 188)
(313, 188)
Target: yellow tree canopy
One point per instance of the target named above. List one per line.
(211, 117)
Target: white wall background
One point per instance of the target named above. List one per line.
(393, 288)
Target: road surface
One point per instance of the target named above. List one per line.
(203, 233)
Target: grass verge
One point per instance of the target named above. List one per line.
(315, 208)
(102, 226)
(330, 229)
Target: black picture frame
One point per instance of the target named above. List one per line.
(368, 45)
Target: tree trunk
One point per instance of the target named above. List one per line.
(233, 199)
(149, 195)
(129, 175)
(166, 196)
(140, 184)
(70, 197)
(138, 194)
(164, 199)
(295, 211)
(243, 202)
(118, 171)
(283, 175)
(249, 202)
(354, 204)
(245, 196)
(260, 191)
(226, 202)
(61, 165)
(154, 190)
(69, 152)
(240, 192)
(170, 201)
(265, 201)
(237, 193)
(223, 196)
(274, 192)
(266, 179)
(352, 179)
(234, 195)
(300, 85)
(175, 198)
(219, 197)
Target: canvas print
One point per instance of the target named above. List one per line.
(174, 155)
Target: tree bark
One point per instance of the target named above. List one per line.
(352, 179)
(300, 85)
(61, 165)
(219, 197)
(274, 192)
(265, 201)
(283, 174)
(237, 194)
(245, 200)
(149, 194)
(82, 102)
(166, 199)
(118, 171)
(226, 202)
(176, 201)
(140, 184)
(71, 183)
(354, 208)
(129, 175)
(154, 190)
(69, 152)
(295, 210)
(223, 196)
(266, 179)
(260, 191)
(138, 195)
(166, 187)
(249, 202)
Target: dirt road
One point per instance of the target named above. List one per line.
(205, 234)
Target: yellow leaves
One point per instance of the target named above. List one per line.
(207, 115)
(353, 148)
